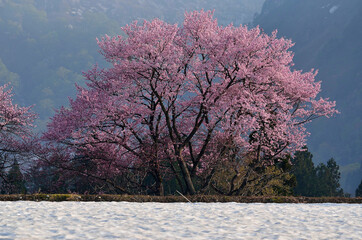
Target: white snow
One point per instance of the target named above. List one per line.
(333, 9)
(124, 220)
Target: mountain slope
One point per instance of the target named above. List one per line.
(46, 44)
(328, 37)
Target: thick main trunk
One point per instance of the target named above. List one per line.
(159, 180)
(186, 174)
(160, 189)
(188, 180)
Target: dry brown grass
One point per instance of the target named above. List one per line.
(170, 199)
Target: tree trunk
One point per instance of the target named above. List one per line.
(160, 188)
(186, 174)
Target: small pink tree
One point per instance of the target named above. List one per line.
(15, 130)
(175, 96)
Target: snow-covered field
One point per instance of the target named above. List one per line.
(124, 220)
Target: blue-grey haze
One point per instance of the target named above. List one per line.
(46, 44)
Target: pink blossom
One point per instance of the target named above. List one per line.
(175, 94)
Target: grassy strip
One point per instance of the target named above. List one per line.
(170, 199)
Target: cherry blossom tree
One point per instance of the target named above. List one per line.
(15, 130)
(176, 97)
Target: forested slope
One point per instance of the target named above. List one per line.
(328, 36)
(46, 44)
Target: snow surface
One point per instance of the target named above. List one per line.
(124, 220)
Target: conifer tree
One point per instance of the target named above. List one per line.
(359, 190)
(304, 171)
(328, 177)
(15, 180)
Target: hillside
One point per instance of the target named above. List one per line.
(328, 36)
(46, 44)
(125, 11)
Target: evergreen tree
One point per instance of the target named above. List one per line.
(15, 180)
(359, 190)
(353, 178)
(328, 177)
(322, 180)
(304, 172)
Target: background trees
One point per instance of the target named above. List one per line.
(15, 138)
(305, 173)
(359, 190)
(322, 180)
(176, 98)
(327, 34)
(14, 181)
(328, 179)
